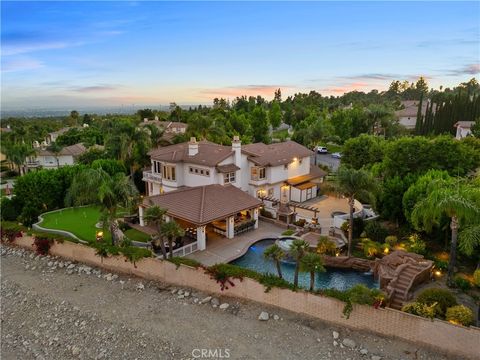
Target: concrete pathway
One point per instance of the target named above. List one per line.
(223, 250)
(326, 205)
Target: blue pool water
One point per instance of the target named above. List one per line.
(332, 278)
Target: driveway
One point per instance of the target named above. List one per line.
(328, 160)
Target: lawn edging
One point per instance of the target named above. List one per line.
(441, 335)
(38, 227)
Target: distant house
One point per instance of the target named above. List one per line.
(464, 129)
(52, 137)
(46, 159)
(408, 115)
(170, 128)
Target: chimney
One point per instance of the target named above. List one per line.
(192, 147)
(156, 118)
(145, 120)
(237, 149)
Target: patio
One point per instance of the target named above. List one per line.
(223, 250)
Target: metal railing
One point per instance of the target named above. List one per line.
(186, 250)
(148, 176)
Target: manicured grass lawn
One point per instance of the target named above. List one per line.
(81, 222)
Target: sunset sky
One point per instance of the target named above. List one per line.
(79, 54)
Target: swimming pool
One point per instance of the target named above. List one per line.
(333, 278)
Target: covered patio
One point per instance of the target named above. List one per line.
(206, 212)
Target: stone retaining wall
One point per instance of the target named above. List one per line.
(441, 335)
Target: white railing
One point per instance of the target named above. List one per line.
(148, 176)
(186, 250)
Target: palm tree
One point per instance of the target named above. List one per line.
(55, 148)
(171, 230)
(95, 186)
(298, 249)
(353, 183)
(311, 262)
(458, 203)
(155, 215)
(275, 253)
(469, 239)
(17, 153)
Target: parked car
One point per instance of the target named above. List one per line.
(321, 150)
(337, 155)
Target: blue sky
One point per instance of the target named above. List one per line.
(77, 54)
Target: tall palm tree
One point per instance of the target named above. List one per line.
(353, 183)
(298, 249)
(155, 215)
(469, 239)
(311, 263)
(17, 153)
(459, 203)
(275, 253)
(171, 230)
(95, 186)
(131, 142)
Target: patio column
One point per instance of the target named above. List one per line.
(230, 227)
(201, 238)
(140, 216)
(255, 217)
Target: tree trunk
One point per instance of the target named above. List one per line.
(170, 247)
(350, 227)
(312, 280)
(295, 278)
(279, 269)
(162, 244)
(113, 233)
(453, 250)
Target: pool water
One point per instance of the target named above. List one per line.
(333, 278)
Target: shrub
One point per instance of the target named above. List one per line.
(42, 244)
(123, 226)
(476, 277)
(266, 213)
(371, 248)
(288, 232)
(416, 244)
(441, 299)
(462, 283)
(376, 231)
(358, 227)
(460, 315)
(300, 222)
(185, 261)
(420, 309)
(10, 209)
(10, 231)
(391, 240)
(441, 264)
(134, 253)
(326, 246)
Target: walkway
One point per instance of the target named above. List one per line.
(223, 250)
(326, 205)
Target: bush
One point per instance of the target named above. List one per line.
(358, 227)
(441, 264)
(10, 209)
(266, 213)
(185, 261)
(9, 231)
(42, 244)
(476, 277)
(440, 298)
(326, 246)
(371, 248)
(416, 244)
(462, 283)
(391, 240)
(288, 232)
(376, 231)
(460, 315)
(420, 309)
(300, 222)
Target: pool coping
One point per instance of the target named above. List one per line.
(245, 249)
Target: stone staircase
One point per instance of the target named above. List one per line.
(401, 287)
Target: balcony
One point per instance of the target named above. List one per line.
(32, 163)
(151, 177)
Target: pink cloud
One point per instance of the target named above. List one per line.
(248, 90)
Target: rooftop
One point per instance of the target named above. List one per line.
(275, 154)
(201, 205)
(73, 150)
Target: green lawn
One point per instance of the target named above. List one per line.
(81, 222)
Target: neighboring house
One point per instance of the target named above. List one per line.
(52, 137)
(464, 129)
(46, 159)
(170, 128)
(408, 115)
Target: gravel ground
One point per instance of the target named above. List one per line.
(55, 309)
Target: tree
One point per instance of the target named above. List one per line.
(74, 115)
(56, 149)
(298, 249)
(421, 86)
(259, 123)
(275, 115)
(171, 230)
(96, 186)
(354, 183)
(364, 150)
(17, 153)
(155, 215)
(459, 203)
(275, 253)
(311, 263)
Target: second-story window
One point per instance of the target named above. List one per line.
(157, 167)
(258, 173)
(229, 177)
(168, 172)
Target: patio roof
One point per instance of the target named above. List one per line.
(315, 173)
(201, 205)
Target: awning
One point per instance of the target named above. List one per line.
(306, 185)
(227, 168)
(315, 173)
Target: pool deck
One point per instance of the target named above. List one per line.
(223, 250)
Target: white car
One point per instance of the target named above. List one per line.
(337, 155)
(321, 150)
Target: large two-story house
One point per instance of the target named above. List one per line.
(215, 188)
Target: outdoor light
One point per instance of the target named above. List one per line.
(386, 250)
(438, 273)
(295, 159)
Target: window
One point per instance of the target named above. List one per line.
(168, 172)
(285, 167)
(229, 177)
(257, 173)
(157, 167)
(270, 192)
(300, 161)
(198, 171)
